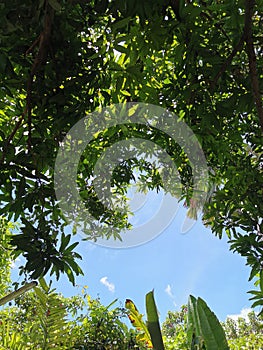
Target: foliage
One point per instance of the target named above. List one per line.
(240, 334)
(174, 329)
(102, 328)
(149, 332)
(44, 319)
(203, 330)
(257, 295)
(5, 255)
(60, 60)
(37, 320)
(136, 319)
(245, 333)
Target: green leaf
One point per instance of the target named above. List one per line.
(122, 49)
(203, 326)
(112, 303)
(64, 242)
(43, 284)
(75, 267)
(69, 273)
(261, 280)
(211, 329)
(153, 324)
(55, 4)
(121, 23)
(71, 247)
(193, 326)
(136, 320)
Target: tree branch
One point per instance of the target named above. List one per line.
(11, 136)
(18, 292)
(217, 25)
(229, 59)
(252, 60)
(43, 42)
(247, 37)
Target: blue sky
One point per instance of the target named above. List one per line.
(174, 264)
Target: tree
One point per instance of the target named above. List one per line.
(174, 329)
(245, 333)
(63, 59)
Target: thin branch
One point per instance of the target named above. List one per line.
(229, 59)
(217, 25)
(35, 43)
(249, 10)
(11, 136)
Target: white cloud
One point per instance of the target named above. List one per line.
(169, 292)
(243, 313)
(106, 283)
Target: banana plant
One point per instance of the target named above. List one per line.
(153, 324)
(204, 331)
(150, 331)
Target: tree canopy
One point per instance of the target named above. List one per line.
(61, 60)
